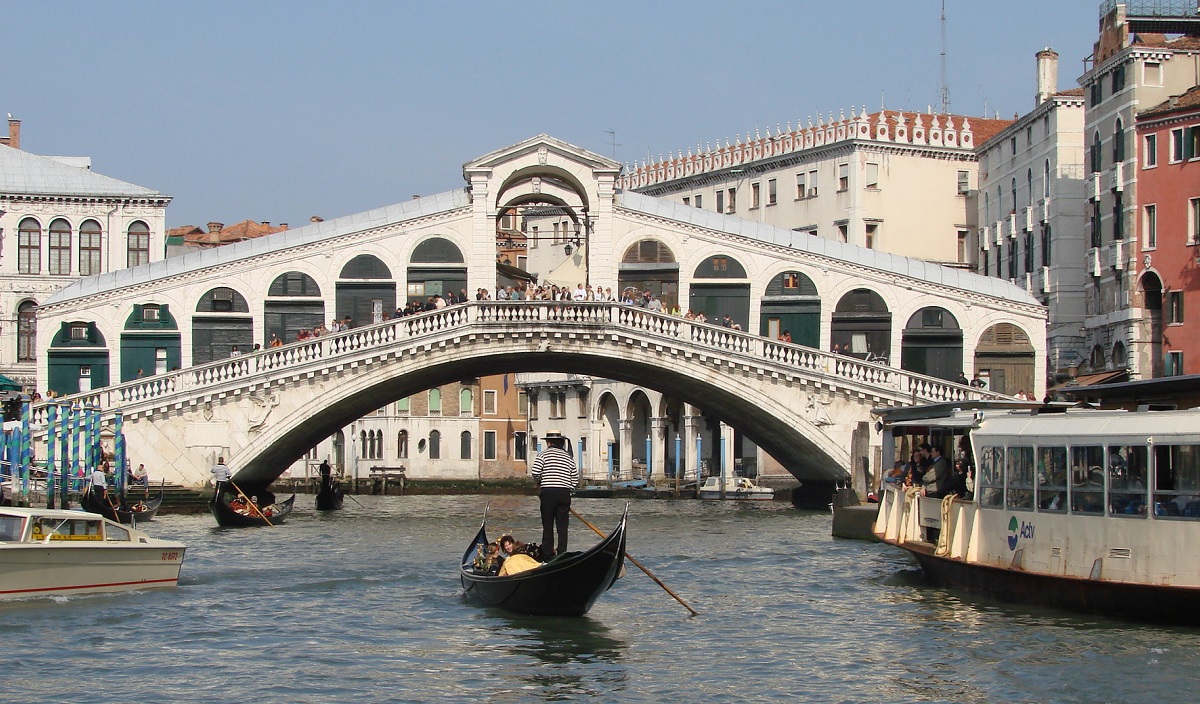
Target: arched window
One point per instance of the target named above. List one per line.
(1118, 143)
(29, 247)
(1095, 152)
(1119, 358)
(1014, 194)
(60, 248)
(1029, 184)
(27, 332)
(90, 236)
(139, 243)
(466, 403)
(1046, 179)
(1096, 361)
(464, 445)
(362, 444)
(987, 208)
(437, 250)
(402, 444)
(435, 402)
(435, 445)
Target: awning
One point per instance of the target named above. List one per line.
(513, 273)
(1093, 379)
(7, 384)
(571, 272)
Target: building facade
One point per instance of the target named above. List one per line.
(1168, 230)
(1143, 56)
(59, 222)
(897, 182)
(1031, 210)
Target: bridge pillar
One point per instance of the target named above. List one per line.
(726, 458)
(691, 430)
(625, 451)
(658, 447)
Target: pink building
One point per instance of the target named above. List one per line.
(1169, 229)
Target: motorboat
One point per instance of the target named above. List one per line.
(46, 552)
(1078, 509)
(736, 488)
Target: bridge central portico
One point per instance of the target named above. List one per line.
(168, 343)
(264, 409)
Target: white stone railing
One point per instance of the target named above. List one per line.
(354, 345)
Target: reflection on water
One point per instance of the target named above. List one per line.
(366, 605)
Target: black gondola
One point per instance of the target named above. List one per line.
(93, 503)
(130, 512)
(271, 512)
(329, 496)
(566, 586)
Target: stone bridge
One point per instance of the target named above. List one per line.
(262, 411)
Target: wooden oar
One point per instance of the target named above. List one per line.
(649, 574)
(250, 503)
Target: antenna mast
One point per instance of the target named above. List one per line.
(945, 90)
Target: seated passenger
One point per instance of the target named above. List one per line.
(515, 564)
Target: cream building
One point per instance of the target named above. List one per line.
(59, 222)
(897, 182)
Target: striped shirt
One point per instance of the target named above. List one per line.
(555, 468)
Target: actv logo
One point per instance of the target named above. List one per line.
(1018, 530)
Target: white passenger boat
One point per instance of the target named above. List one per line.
(49, 552)
(736, 488)
(1079, 509)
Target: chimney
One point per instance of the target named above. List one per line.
(14, 134)
(1047, 74)
(316, 219)
(266, 223)
(283, 226)
(216, 226)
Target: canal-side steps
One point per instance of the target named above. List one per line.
(178, 498)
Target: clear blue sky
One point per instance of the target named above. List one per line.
(276, 111)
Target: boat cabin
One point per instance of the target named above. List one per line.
(24, 525)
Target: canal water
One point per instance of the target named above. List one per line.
(365, 605)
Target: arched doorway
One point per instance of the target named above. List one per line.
(365, 291)
(436, 267)
(150, 342)
(932, 344)
(638, 413)
(861, 326)
(791, 304)
(650, 265)
(222, 326)
(608, 437)
(717, 300)
(1152, 323)
(1004, 358)
(78, 359)
(293, 304)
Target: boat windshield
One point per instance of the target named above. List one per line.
(11, 528)
(67, 529)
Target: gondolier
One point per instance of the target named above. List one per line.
(557, 475)
(220, 474)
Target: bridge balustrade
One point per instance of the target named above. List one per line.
(483, 314)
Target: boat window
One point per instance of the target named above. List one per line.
(1127, 485)
(991, 476)
(1020, 478)
(1177, 481)
(66, 529)
(1052, 479)
(11, 528)
(115, 532)
(1087, 479)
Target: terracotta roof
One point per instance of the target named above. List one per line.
(982, 128)
(1073, 92)
(1188, 101)
(244, 230)
(1186, 42)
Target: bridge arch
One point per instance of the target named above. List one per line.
(293, 303)
(649, 263)
(561, 179)
(932, 344)
(790, 302)
(720, 287)
(1004, 356)
(435, 266)
(861, 324)
(221, 322)
(770, 420)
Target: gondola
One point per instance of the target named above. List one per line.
(130, 512)
(566, 586)
(273, 513)
(93, 504)
(329, 496)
